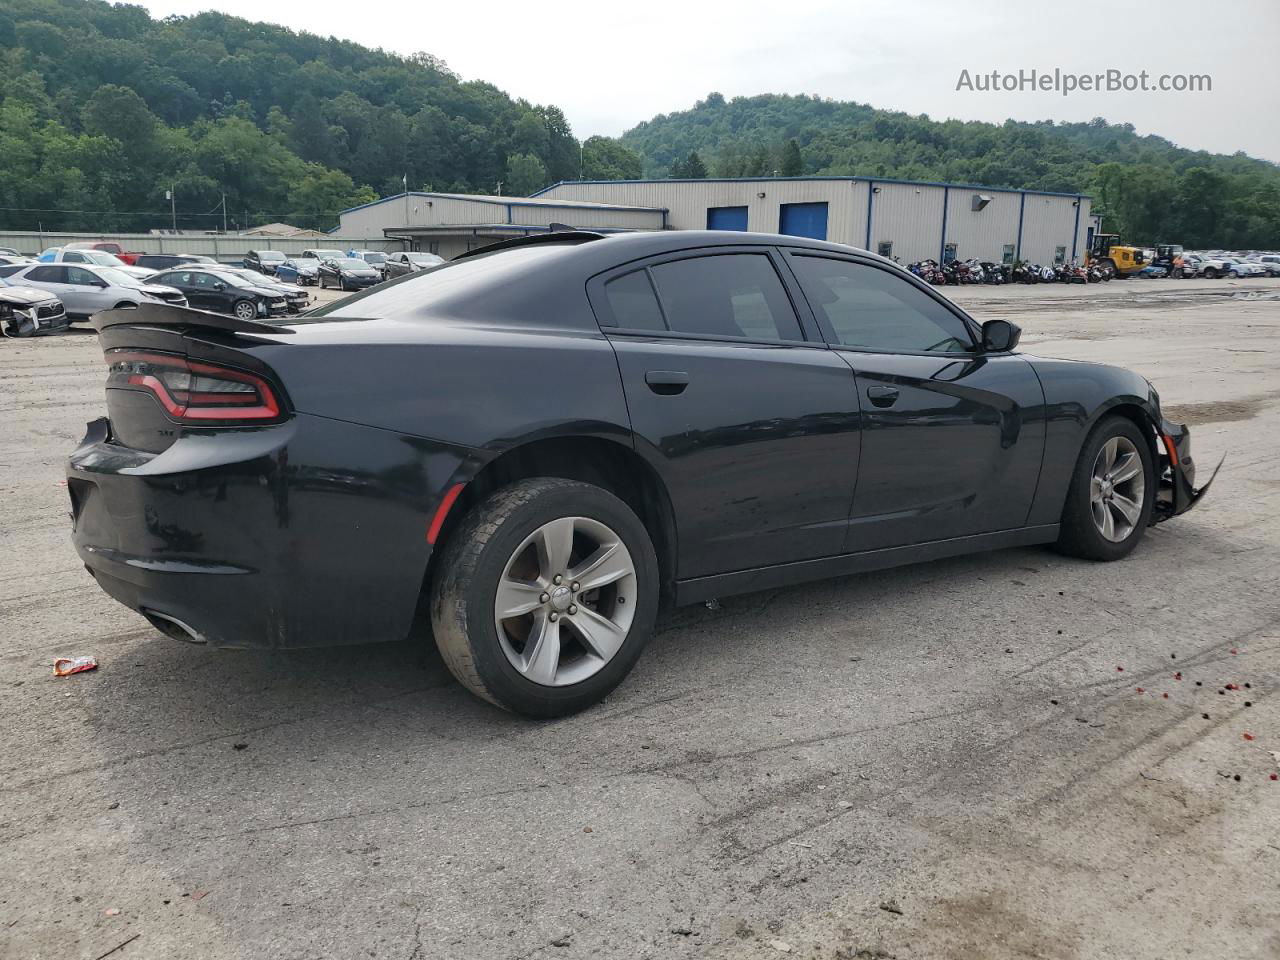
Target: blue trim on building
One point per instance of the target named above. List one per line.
(909, 183)
(871, 192)
(1022, 209)
(1075, 231)
(942, 244)
(578, 204)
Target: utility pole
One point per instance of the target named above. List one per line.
(224, 213)
(173, 204)
(499, 188)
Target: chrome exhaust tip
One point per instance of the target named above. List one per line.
(173, 627)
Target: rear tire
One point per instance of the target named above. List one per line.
(1085, 530)
(496, 657)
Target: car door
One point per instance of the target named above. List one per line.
(749, 418)
(952, 437)
(55, 277)
(92, 291)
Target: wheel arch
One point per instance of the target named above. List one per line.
(606, 463)
(1133, 409)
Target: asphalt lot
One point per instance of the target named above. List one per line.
(944, 761)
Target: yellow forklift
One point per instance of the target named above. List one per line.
(1108, 251)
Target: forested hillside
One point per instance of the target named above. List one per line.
(102, 109)
(1146, 186)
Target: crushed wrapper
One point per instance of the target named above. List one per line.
(65, 666)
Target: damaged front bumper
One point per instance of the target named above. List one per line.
(1177, 491)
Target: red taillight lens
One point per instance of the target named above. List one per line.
(193, 391)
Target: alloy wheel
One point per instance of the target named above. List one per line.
(565, 601)
(246, 310)
(1117, 489)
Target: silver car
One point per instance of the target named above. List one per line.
(98, 258)
(85, 289)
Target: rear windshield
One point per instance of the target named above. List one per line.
(374, 257)
(453, 281)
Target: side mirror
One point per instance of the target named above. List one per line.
(1000, 336)
(219, 286)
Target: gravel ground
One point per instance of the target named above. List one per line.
(945, 761)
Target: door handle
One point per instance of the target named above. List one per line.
(667, 383)
(882, 396)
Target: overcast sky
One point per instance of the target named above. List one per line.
(609, 68)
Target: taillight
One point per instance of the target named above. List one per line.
(193, 391)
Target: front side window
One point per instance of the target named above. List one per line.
(726, 295)
(867, 308)
(74, 256)
(81, 276)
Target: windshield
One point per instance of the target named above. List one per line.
(115, 277)
(449, 283)
(350, 263)
(372, 257)
(275, 256)
(424, 259)
(102, 258)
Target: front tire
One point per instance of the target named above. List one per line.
(1112, 493)
(245, 310)
(545, 596)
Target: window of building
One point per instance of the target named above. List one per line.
(869, 308)
(885, 249)
(1059, 254)
(1007, 256)
(948, 252)
(726, 295)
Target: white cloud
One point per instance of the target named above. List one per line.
(611, 68)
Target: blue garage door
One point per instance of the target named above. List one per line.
(726, 218)
(804, 220)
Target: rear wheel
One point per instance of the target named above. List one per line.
(545, 596)
(1112, 493)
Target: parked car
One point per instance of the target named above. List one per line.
(107, 246)
(226, 293)
(409, 261)
(1213, 266)
(302, 271)
(263, 261)
(1191, 264)
(99, 258)
(347, 273)
(321, 254)
(30, 312)
(296, 299)
(1269, 262)
(8, 259)
(167, 261)
(9, 269)
(614, 422)
(84, 289)
(374, 258)
(1241, 269)
(9, 252)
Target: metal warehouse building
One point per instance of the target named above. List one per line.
(907, 220)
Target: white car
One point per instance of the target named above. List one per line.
(1235, 267)
(1269, 262)
(98, 258)
(84, 289)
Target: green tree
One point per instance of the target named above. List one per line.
(791, 164)
(525, 174)
(317, 199)
(690, 168)
(604, 158)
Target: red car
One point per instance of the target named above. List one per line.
(110, 246)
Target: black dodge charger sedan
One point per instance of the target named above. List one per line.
(348, 273)
(549, 439)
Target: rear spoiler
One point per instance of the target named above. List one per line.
(168, 315)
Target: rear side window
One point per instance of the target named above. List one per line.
(726, 295)
(872, 309)
(48, 275)
(633, 303)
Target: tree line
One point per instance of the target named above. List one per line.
(1145, 187)
(104, 109)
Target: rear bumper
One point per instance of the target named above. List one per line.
(309, 533)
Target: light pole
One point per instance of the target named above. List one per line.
(171, 196)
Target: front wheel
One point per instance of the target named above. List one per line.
(1112, 493)
(545, 596)
(245, 310)
(1211, 273)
